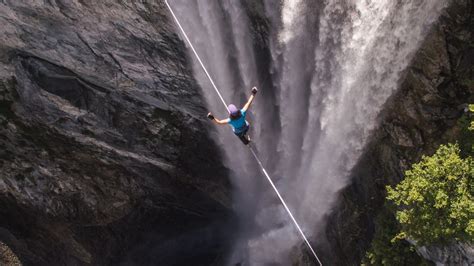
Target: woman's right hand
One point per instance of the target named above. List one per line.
(210, 116)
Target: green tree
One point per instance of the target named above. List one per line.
(385, 250)
(435, 200)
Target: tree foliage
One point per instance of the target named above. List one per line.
(384, 251)
(435, 200)
(434, 204)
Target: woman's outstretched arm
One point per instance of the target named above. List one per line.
(249, 102)
(217, 121)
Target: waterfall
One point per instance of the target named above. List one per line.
(333, 65)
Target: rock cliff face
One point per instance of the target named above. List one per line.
(421, 115)
(454, 254)
(104, 156)
(105, 159)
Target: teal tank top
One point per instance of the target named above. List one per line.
(239, 125)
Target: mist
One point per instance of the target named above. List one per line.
(333, 66)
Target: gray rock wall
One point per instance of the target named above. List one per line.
(457, 254)
(104, 153)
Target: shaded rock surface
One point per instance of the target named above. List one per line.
(423, 114)
(454, 254)
(104, 156)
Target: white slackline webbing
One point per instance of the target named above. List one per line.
(250, 147)
(196, 54)
(284, 204)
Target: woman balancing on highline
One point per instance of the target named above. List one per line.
(237, 119)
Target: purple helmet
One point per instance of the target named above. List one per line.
(232, 109)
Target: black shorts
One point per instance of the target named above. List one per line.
(242, 133)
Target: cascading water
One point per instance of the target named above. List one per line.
(334, 65)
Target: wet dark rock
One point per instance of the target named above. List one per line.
(104, 152)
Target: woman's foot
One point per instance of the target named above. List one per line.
(245, 139)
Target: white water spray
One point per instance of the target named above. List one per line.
(250, 147)
(335, 63)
